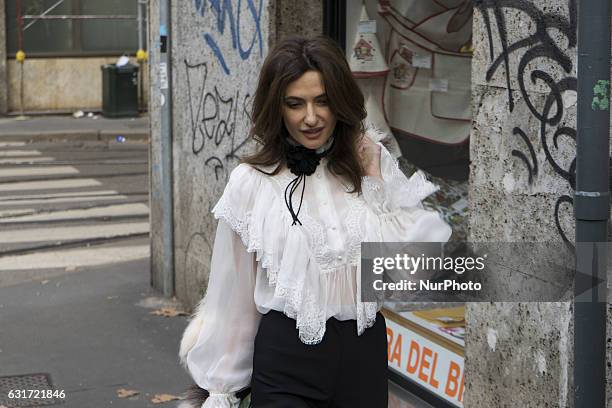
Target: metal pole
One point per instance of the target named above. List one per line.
(592, 201)
(139, 18)
(21, 111)
(140, 62)
(165, 283)
(146, 19)
(19, 25)
(20, 61)
(146, 30)
(47, 11)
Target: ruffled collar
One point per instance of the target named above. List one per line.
(319, 150)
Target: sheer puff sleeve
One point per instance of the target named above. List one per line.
(217, 346)
(396, 201)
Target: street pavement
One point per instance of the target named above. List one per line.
(75, 294)
(54, 128)
(93, 334)
(71, 204)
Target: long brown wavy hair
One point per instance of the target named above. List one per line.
(287, 62)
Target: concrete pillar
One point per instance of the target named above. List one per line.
(213, 79)
(3, 78)
(521, 354)
(298, 17)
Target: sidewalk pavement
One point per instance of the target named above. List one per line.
(93, 333)
(66, 127)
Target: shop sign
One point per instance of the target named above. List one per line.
(426, 360)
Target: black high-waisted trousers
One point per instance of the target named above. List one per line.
(343, 371)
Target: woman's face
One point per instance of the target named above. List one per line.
(306, 112)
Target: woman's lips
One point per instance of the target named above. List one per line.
(313, 133)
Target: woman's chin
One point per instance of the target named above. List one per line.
(313, 143)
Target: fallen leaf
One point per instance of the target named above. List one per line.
(70, 268)
(44, 282)
(161, 398)
(168, 312)
(123, 393)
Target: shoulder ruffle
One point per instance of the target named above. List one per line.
(237, 198)
(250, 207)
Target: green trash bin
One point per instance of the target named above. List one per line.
(119, 90)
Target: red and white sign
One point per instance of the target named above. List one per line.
(424, 360)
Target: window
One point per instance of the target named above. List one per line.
(72, 37)
(412, 59)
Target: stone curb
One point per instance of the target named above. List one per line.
(74, 135)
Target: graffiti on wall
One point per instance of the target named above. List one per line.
(537, 45)
(219, 111)
(215, 70)
(230, 13)
(214, 116)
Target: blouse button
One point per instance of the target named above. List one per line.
(332, 228)
(318, 175)
(339, 257)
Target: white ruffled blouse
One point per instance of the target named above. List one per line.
(260, 262)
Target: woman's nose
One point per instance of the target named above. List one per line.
(311, 115)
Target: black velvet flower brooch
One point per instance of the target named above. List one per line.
(302, 161)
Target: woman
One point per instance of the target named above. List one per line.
(283, 312)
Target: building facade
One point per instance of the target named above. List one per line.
(62, 68)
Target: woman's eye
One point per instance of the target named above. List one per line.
(296, 105)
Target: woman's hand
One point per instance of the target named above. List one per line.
(370, 156)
